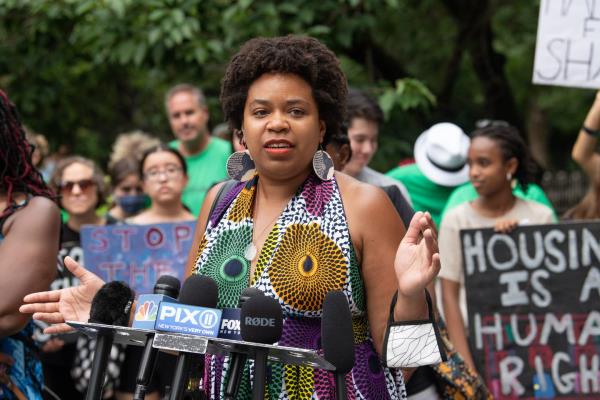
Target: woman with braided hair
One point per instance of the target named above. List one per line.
(29, 237)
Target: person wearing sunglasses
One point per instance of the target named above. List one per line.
(80, 184)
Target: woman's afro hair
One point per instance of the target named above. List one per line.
(300, 55)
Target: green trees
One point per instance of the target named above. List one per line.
(82, 71)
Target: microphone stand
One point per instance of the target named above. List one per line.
(145, 374)
(260, 374)
(104, 343)
(340, 386)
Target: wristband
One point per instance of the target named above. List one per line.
(411, 344)
(592, 132)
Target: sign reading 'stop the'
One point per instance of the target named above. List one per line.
(137, 254)
(568, 44)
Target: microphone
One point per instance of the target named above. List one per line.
(199, 291)
(110, 306)
(237, 360)
(261, 322)
(337, 338)
(166, 289)
(167, 285)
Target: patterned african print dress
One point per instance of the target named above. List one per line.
(307, 254)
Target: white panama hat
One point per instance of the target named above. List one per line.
(441, 154)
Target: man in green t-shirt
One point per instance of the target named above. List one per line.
(441, 154)
(205, 156)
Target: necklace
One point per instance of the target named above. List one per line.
(251, 250)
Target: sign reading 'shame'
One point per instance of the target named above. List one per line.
(533, 299)
(568, 43)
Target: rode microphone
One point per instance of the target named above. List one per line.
(337, 338)
(110, 306)
(165, 289)
(238, 360)
(261, 321)
(200, 291)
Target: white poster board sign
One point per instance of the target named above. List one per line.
(568, 44)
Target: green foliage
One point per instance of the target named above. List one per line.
(408, 94)
(81, 71)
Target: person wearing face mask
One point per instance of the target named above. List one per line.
(127, 192)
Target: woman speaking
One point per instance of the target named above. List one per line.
(295, 229)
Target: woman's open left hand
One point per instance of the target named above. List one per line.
(57, 306)
(417, 260)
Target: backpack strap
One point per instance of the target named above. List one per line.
(225, 188)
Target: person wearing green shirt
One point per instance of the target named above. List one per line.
(467, 192)
(440, 154)
(205, 156)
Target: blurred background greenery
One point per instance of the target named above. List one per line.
(82, 71)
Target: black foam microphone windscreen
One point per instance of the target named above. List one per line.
(247, 293)
(261, 320)
(199, 290)
(111, 304)
(337, 337)
(167, 285)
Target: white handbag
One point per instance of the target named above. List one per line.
(410, 344)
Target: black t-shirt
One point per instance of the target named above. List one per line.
(70, 245)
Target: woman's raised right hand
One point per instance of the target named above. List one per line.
(70, 304)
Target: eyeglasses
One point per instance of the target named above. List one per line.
(84, 185)
(171, 172)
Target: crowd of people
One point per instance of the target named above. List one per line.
(299, 228)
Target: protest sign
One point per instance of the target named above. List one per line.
(567, 49)
(533, 299)
(137, 254)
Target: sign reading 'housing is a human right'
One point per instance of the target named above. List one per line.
(533, 298)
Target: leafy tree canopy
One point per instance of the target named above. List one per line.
(81, 71)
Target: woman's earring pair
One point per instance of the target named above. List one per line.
(241, 167)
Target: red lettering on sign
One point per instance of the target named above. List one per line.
(182, 233)
(125, 232)
(100, 243)
(154, 238)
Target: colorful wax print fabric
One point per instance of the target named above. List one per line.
(308, 253)
(26, 371)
